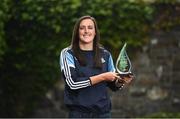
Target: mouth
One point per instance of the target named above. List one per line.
(86, 36)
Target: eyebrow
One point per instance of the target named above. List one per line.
(87, 25)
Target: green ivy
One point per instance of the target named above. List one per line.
(33, 32)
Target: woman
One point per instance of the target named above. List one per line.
(88, 70)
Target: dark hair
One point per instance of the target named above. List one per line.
(96, 45)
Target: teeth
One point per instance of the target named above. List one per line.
(86, 36)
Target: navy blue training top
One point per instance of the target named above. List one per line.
(79, 94)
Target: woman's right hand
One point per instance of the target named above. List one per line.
(107, 76)
(110, 76)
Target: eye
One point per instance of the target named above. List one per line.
(90, 27)
(81, 27)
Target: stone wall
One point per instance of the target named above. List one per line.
(157, 71)
(155, 88)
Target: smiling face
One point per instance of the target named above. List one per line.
(86, 37)
(86, 32)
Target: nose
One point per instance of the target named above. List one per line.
(86, 29)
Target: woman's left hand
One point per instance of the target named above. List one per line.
(128, 79)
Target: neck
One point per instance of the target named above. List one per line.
(86, 46)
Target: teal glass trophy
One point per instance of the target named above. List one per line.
(123, 63)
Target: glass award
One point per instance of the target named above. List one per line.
(123, 63)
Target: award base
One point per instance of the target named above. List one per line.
(126, 75)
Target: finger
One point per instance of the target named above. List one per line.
(116, 73)
(132, 77)
(113, 79)
(127, 80)
(118, 77)
(121, 81)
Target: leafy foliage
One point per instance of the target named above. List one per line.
(32, 33)
(4, 7)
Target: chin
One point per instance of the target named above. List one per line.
(87, 41)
